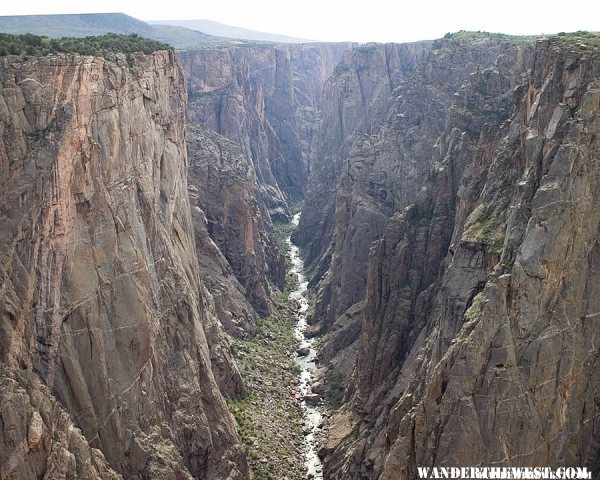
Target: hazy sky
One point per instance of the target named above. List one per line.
(367, 20)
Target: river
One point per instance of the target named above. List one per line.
(312, 413)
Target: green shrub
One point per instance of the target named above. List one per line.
(580, 40)
(464, 35)
(103, 45)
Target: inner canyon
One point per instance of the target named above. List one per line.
(297, 261)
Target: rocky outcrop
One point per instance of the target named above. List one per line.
(100, 290)
(478, 342)
(38, 438)
(266, 99)
(223, 191)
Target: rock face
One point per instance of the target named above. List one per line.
(478, 342)
(266, 99)
(100, 291)
(38, 438)
(253, 117)
(355, 104)
(388, 155)
(223, 192)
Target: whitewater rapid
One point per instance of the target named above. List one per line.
(313, 416)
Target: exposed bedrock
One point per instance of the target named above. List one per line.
(101, 295)
(478, 343)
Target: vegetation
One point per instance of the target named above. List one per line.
(282, 231)
(464, 35)
(291, 283)
(104, 45)
(422, 214)
(269, 419)
(507, 265)
(82, 25)
(487, 227)
(335, 387)
(342, 68)
(195, 95)
(581, 39)
(476, 306)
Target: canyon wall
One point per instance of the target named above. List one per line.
(253, 115)
(450, 228)
(478, 339)
(266, 99)
(381, 165)
(227, 213)
(354, 103)
(101, 296)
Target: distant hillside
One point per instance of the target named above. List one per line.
(81, 25)
(222, 30)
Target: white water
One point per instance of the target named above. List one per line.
(312, 414)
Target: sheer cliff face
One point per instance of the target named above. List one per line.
(385, 159)
(253, 116)
(265, 99)
(354, 103)
(232, 231)
(101, 295)
(479, 340)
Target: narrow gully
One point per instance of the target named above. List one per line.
(312, 413)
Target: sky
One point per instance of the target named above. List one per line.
(338, 20)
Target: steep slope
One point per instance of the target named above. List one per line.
(100, 291)
(266, 99)
(226, 213)
(381, 173)
(82, 25)
(355, 103)
(229, 31)
(464, 84)
(478, 342)
(253, 114)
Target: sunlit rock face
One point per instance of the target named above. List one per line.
(101, 295)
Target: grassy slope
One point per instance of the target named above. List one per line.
(269, 419)
(81, 25)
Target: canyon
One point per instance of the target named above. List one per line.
(295, 261)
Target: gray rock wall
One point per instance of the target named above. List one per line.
(478, 340)
(265, 98)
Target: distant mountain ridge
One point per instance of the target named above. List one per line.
(230, 31)
(80, 25)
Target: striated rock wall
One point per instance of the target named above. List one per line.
(447, 85)
(253, 114)
(228, 215)
(100, 294)
(478, 343)
(355, 102)
(266, 99)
